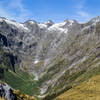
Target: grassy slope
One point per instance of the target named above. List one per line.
(89, 90)
(83, 90)
(21, 81)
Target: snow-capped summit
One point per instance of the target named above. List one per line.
(49, 23)
(62, 27)
(69, 21)
(14, 24)
(96, 19)
(31, 22)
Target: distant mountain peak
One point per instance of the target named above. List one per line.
(49, 23)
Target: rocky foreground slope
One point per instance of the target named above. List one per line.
(47, 59)
(7, 93)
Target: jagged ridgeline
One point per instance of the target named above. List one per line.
(45, 60)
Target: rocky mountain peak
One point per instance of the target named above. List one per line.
(30, 22)
(96, 19)
(49, 23)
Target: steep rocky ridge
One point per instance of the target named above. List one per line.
(56, 54)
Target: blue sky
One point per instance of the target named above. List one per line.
(43, 10)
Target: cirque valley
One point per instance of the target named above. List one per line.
(47, 59)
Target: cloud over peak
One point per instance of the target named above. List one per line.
(14, 9)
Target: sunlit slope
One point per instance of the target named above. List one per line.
(88, 90)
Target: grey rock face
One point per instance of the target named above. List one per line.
(35, 40)
(41, 46)
(7, 92)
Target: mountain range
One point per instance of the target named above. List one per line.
(45, 60)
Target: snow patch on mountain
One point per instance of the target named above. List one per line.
(15, 24)
(36, 61)
(18, 25)
(42, 26)
(58, 27)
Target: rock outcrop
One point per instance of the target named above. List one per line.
(7, 93)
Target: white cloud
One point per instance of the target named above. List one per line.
(4, 12)
(80, 4)
(9, 11)
(16, 4)
(83, 14)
